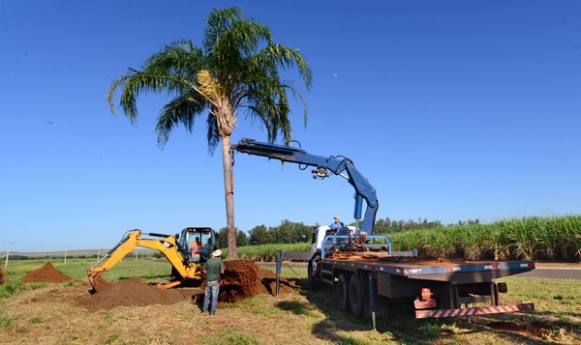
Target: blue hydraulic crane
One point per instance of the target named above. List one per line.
(324, 166)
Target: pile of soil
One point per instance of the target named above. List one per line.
(243, 279)
(132, 292)
(47, 273)
(2, 275)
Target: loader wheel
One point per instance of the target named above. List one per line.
(355, 296)
(313, 272)
(342, 292)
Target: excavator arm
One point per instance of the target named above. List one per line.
(338, 165)
(165, 244)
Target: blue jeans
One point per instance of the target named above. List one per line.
(212, 288)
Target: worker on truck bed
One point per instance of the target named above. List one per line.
(337, 223)
(214, 269)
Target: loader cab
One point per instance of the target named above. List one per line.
(204, 238)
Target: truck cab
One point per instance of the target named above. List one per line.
(319, 234)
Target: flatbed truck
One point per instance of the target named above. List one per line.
(361, 266)
(429, 288)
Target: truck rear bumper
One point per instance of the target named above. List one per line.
(464, 312)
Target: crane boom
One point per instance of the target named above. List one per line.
(337, 165)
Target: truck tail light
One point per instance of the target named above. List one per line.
(426, 294)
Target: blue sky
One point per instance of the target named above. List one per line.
(452, 109)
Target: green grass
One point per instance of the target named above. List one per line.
(8, 290)
(230, 337)
(288, 271)
(5, 320)
(550, 238)
(77, 269)
(558, 296)
(540, 238)
(556, 301)
(267, 252)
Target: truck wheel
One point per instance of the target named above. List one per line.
(313, 272)
(355, 296)
(342, 292)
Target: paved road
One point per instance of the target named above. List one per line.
(554, 273)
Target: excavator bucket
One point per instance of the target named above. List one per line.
(98, 283)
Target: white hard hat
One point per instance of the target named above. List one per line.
(217, 252)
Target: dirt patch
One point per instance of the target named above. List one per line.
(243, 279)
(47, 273)
(2, 276)
(532, 329)
(133, 292)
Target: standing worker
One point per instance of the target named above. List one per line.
(214, 269)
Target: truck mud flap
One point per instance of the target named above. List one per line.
(464, 312)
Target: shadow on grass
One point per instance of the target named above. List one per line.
(294, 307)
(532, 329)
(557, 314)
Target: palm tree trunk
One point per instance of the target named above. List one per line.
(229, 192)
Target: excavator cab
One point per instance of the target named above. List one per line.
(197, 243)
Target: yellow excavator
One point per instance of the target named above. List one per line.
(186, 252)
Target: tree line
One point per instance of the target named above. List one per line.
(286, 232)
(293, 232)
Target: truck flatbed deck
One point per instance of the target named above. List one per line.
(430, 268)
(435, 287)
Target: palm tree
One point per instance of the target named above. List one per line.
(236, 70)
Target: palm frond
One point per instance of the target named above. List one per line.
(134, 82)
(219, 21)
(213, 133)
(180, 58)
(181, 110)
(281, 56)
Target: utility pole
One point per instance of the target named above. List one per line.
(8, 244)
(66, 252)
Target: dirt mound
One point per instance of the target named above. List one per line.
(47, 273)
(243, 279)
(132, 292)
(2, 279)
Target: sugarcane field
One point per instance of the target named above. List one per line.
(290, 172)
